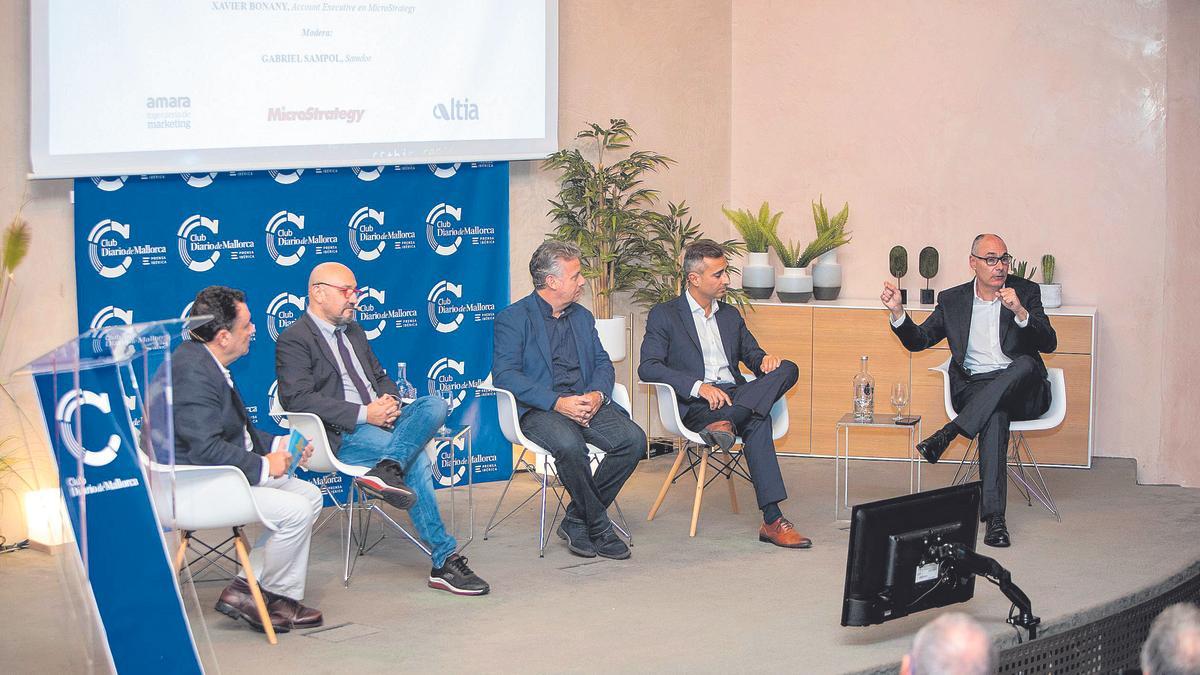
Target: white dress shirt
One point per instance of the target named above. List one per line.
(329, 332)
(983, 353)
(248, 442)
(716, 366)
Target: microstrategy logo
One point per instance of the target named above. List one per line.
(286, 176)
(111, 183)
(362, 229)
(444, 171)
(198, 180)
(284, 310)
(280, 232)
(365, 174)
(437, 226)
(64, 415)
(190, 239)
(102, 243)
(456, 110)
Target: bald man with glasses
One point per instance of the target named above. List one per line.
(997, 331)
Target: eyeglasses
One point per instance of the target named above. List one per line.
(348, 291)
(991, 260)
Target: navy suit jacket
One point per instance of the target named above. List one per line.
(671, 348)
(951, 320)
(521, 359)
(208, 424)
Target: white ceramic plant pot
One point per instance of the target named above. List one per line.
(827, 277)
(758, 276)
(612, 337)
(795, 285)
(1051, 295)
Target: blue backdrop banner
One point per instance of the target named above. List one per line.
(428, 245)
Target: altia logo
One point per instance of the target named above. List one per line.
(188, 237)
(64, 415)
(367, 174)
(101, 241)
(445, 171)
(442, 378)
(451, 462)
(278, 233)
(284, 310)
(274, 407)
(198, 180)
(436, 226)
(110, 184)
(456, 110)
(112, 315)
(286, 176)
(362, 230)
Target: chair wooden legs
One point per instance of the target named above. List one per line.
(662, 493)
(244, 556)
(699, 490)
(179, 554)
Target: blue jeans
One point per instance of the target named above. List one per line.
(418, 421)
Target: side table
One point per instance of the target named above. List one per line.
(841, 462)
(457, 434)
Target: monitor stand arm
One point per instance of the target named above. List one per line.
(958, 558)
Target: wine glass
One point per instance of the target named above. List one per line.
(899, 398)
(447, 395)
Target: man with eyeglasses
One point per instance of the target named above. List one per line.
(325, 366)
(997, 332)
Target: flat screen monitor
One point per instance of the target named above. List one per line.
(893, 566)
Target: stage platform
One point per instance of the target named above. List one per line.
(720, 602)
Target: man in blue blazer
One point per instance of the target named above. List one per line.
(694, 343)
(548, 354)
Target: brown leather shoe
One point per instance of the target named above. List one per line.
(783, 533)
(720, 434)
(236, 602)
(288, 612)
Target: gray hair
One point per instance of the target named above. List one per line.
(547, 260)
(1173, 646)
(696, 253)
(952, 643)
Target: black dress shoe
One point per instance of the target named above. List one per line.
(932, 448)
(997, 532)
(236, 602)
(609, 545)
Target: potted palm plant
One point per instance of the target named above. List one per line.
(757, 230)
(827, 273)
(1051, 291)
(796, 285)
(663, 276)
(603, 207)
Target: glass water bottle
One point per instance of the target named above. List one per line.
(864, 393)
(406, 389)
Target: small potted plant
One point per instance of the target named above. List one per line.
(796, 285)
(757, 230)
(898, 266)
(1051, 291)
(827, 273)
(1020, 269)
(927, 265)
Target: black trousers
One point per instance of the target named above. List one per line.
(986, 403)
(755, 429)
(611, 430)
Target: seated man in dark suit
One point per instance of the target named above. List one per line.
(325, 366)
(996, 327)
(548, 354)
(211, 428)
(694, 343)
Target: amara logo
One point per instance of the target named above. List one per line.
(456, 110)
(444, 171)
(198, 180)
(278, 233)
(282, 312)
(98, 238)
(435, 225)
(110, 184)
(64, 415)
(367, 175)
(286, 176)
(168, 102)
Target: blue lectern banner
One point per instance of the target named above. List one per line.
(428, 245)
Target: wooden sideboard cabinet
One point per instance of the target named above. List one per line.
(827, 340)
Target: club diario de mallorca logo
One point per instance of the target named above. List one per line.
(286, 243)
(286, 176)
(447, 311)
(64, 415)
(284, 310)
(368, 237)
(198, 253)
(367, 174)
(110, 183)
(111, 252)
(111, 315)
(446, 374)
(198, 180)
(444, 170)
(374, 315)
(451, 464)
(439, 228)
(274, 406)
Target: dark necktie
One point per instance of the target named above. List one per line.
(348, 362)
(240, 407)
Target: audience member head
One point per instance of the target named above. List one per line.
(229, 332)
(990, 247)
(333, 293)
(1173, 645)
(705, 271)
(556, 271)
(952, 643)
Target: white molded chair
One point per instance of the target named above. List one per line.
(700, 455)
(324, 461)
(506, 411)
(1030, 484)
(206, 498)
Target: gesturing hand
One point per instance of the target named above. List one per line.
(715, 396)
(1010, 300)
(891, 299)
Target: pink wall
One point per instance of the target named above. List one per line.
(1042, 121)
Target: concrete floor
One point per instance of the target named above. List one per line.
(718, 602)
